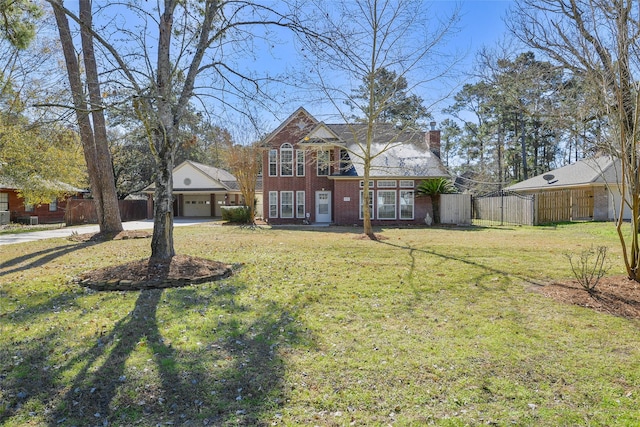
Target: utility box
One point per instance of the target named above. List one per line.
(4, 217)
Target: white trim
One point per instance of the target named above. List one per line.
(412, 204)
(300, 163)
(407, 183)
(273, 161)
(300, 204)
(387, 183)
(371, 205)
(290, 204)
(380, 203)
(286, 150)
(273, 204)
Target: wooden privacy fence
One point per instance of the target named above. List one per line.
(504, 207)
(455, 209)
(83, 211)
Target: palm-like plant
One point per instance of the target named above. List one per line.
(434, 187)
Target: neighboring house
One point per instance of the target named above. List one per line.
(201, 191)
(586, 190)
(14, 209)
(311, 173)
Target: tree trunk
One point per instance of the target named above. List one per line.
(103, 190)
(162, 239)
(110, 221)
(435, 206)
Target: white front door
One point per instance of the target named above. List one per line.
(323, 206)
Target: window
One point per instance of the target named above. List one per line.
(273, 162)
(406, 204)
(286, 204)
(300, 162)
(273, 204)
(372, 184)
(300, 208)
(370, 204)
(53, 205)
(386, 204)
(28, 207)
(406, 183)
(387, 184)
(286, 160)
(4, 201)
(323, 163)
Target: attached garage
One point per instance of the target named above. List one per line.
(197, 205)
(201, 191)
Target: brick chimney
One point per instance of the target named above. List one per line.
(433, 139)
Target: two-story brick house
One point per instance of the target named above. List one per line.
(313, 172)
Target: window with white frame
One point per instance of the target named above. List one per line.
(406, 183)
(300, 207)
(300, 162)
(273, 162)
(370, 204)
(372, 184)
(286, 204)
(323, 159)
(28, 207)
(406, 204)
(286, 160)
(388, 183)
(273, 204)
(386, 204)
(53, 205)
(4, 201)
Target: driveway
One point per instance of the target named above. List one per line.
(8, 239)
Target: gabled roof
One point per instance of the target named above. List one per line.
(296, 115)
(220, 179)
(599, 170)
(397, 153)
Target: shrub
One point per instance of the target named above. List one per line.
(587, 270)
(237, 214)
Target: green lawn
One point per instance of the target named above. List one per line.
(320, 327)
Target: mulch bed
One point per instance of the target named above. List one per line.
(616, 295)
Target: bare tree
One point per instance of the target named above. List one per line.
(360, 38)
(159, 57)
(90, 116)
(600, 41)
(244, 162)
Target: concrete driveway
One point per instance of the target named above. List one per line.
(8, 239)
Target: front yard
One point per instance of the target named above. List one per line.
(427, 326)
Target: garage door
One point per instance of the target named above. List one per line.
(197, 205)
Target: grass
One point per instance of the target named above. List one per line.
(15, 228)
(429, 326)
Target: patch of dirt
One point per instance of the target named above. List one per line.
(102, 237)
(180, 270)
(616, 295)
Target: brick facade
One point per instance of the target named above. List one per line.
(301, 131)
(45, 213)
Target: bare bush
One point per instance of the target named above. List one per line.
(589, 271)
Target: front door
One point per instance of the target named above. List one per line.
(323, 206)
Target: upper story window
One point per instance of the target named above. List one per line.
(286, 160)
(387, 183)
(53, 205)
(323, 159)
(300, 162)
(273, 162)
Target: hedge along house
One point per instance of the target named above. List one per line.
(201, 191)
(312, 173)
(588, 189)
(14, 208)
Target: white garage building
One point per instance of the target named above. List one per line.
(201, 191)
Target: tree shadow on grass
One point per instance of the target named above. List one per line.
(40, 258)
(133, 375)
